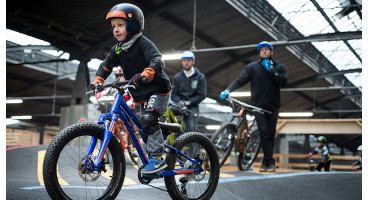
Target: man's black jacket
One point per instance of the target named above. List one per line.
(265, 85)
(191, 88)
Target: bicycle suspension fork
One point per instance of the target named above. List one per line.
(108, 132)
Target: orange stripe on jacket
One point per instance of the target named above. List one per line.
(99, 79)
(149, 73)
(106, 69)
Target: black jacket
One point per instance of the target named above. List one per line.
(193, 88)
(140, 55)
(265, 85)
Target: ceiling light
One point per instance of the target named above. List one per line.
(296, 114)
(22, 117)
(240, 94)
(212, 127)
(14, 101)
(173, 56)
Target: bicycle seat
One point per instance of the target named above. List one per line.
(172, 127)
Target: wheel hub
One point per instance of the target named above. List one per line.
(87, 170)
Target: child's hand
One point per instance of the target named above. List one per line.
(94, 86)
(137, 79)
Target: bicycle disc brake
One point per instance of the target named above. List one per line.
(85, 170)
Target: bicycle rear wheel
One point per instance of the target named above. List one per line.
(250, 152)
(199, 185)
(65, 171)
(223, 139)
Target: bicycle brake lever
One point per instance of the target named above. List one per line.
(127, 86)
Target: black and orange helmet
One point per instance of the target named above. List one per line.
(132, 14)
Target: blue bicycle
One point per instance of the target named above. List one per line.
(86, 160)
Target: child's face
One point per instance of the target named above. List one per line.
(118, 27)
(360, 153)
(319, 144)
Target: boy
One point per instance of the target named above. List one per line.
(322, 150)
(140, 60)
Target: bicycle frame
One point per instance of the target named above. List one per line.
(244, 131)
(172, 119)
(120, 110)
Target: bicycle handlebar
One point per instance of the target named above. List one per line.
(118, 85)
(247, 105)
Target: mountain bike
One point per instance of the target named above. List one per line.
(86, 161)
(247, 140)
(312, 164)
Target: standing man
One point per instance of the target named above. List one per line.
(266, 77)
(189, 89)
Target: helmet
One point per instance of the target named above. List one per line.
(360, 148)
(264, 44)
(187, 55)
(132, 14)
(322, 139)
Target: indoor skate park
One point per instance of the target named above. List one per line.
(54, 50)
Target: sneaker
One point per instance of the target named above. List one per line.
(154, 165)
(263, 168)
(271, 168)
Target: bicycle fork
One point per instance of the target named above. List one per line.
(108, 132)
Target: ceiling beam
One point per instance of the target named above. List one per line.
(38, 62)
(33, 83)
(312, 38)
(324, 75)
(314, 102)
(31, 47)
(230, 62)
(201, 35)
(334, 27)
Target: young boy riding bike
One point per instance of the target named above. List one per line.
(322, 150)
(141, 63)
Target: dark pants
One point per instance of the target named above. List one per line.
(325, 165)
(191, 120)
(267, 128)
(155, 107)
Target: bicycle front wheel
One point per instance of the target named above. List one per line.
(223, 139)
(65, 171)
(252, 146)
(199, 185)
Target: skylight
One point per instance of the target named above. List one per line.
(25, 40)
(304, 16)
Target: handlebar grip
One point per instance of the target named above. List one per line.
(144, 79)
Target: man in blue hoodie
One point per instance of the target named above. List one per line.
(189, 89)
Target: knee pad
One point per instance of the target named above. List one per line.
(149, 121)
